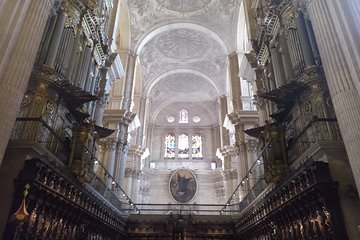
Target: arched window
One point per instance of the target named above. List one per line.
(170, 146)
(184, 116)
(183, 146)
(196, 146)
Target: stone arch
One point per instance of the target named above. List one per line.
(152, 33)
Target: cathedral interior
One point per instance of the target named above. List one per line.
(180, 119)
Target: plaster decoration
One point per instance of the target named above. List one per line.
(147, 15)
(184, 5)
(170, 119)
(183, 44)
(182, 87)
(196, 119)
(183, 48)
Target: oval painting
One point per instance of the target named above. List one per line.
(183, 185)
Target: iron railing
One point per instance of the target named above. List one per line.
(36, 130)
(317, 130)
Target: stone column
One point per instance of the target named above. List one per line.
(128, 181)
(101, 103)
(109, 160)
(224, 133)
(135, 186)
(251, 157)
(335, 25)
(121, 165)
(99, 110)
(129, 81)
(141, 128)
(339, 51)
(22, 24)
(235, 81)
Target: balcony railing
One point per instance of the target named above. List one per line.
(173, 208)
(36, 130)
(317, 130)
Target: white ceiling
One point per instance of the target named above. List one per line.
(183, 47)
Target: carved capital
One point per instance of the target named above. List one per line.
(110, 144)
(128, 172)
(251, 145)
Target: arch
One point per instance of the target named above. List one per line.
(159, 108)
(152, 33)
(183, 116)
(185, 70)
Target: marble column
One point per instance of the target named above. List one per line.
(339, 51)
(22, 24)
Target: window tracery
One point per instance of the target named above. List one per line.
(170, 146)
(184, 116)
(183, 151)
(196, 146)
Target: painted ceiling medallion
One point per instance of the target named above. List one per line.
(183, 44)
(184, 6)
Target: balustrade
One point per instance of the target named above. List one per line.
(286, 213)
(59, 207)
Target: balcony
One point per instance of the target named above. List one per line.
(316, 131)
(37, 133)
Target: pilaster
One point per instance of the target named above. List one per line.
(18, 59)
(337, 51)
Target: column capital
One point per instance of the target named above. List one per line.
(110, 144)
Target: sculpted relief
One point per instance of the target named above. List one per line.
(184, 5)
(182, 48)
(145, 15)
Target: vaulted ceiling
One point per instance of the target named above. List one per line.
(183, 47)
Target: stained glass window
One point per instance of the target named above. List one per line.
(196, 146)
(183, 146)
(170, 146)
(184, 116)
